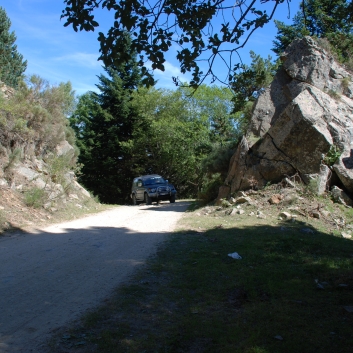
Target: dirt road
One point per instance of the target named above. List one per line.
(50, 277)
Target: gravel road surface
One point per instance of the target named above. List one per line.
(51, 276)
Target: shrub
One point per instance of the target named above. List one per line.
(312, 188)
(13, 158)
(333, 94)
(34, 197)
(332, 155)
(37, 112)
(345, 82)
(210, 187)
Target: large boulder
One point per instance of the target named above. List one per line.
(305, 113)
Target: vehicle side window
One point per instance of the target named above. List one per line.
(139, 183)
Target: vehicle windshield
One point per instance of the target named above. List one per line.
(154, 180)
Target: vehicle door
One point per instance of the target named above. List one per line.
(140, 190)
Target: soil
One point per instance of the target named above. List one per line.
(51, 275)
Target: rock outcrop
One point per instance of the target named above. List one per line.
(25, 167)
(304, 116)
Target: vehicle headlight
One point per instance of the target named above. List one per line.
(152, 190)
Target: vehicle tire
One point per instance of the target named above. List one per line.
(172, 199)
(148, 200)
(134, 201)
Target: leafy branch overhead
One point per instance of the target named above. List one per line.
(210, 31)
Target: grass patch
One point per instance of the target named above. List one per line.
(290, 292)
(34, 197)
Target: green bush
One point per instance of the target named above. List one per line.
(37, 112)
(210, 187)
(332, 155)
(34, 197)
(13, 158)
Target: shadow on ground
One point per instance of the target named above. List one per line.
(290, 292)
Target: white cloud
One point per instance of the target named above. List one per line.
(164, 78)
(81, 59)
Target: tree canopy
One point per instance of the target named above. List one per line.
(330, 19)
(12, 65)
(189, 25)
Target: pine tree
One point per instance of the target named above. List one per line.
(12, 65)
(287, 33)
(330, 19)
(103, 123)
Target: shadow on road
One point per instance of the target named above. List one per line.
(52, 276)
(178, 206)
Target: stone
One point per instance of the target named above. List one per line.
(229, 212)
(316, 214)
(325, 213)
(346, 235)
(344, 168)
(3, 182)
(269, 105)
(26, 172)
(243, 199)
(305, 61)
(275, 199)
(260, 214)
(39, 183)
(320, 179)
(289, 199)
(295, 123)
(81, 189)
(47, 205)
(285, 215)
(340, 196)
(233, 212)
(64, 148)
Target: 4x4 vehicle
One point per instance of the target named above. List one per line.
(149, 188)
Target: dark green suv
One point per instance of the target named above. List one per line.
(149, 188)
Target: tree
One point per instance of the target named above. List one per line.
(248, 85)
(213, 104)
(158, 25)
(287, 33)
(103, 122)
(323, 19)
(12, 65)
(169, 139)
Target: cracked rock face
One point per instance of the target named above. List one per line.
(306, 110)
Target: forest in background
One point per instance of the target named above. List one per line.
(128, 129)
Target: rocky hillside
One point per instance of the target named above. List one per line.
(302, 126)
(37, 162)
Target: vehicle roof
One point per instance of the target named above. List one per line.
(149, 176)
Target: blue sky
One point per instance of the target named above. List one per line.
(59, 54)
